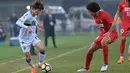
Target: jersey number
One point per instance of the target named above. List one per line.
(128, 13)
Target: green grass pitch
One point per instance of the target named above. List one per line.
(67, 58)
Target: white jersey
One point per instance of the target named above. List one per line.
(25, 36)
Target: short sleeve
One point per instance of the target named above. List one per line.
(107, 17)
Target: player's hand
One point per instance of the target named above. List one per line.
(128, 33)
(29, 30)
(41, 29)
(40, 25)
(107, 34)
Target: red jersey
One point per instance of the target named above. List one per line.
(104, 21)
(125, 9)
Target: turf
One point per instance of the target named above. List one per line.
(67, 58)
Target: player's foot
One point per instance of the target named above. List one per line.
(33, 70)
(82, 69)
(39, 65)
(121, 60)
(104, 67)
(129, 59)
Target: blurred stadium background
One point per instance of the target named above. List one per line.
(75, 30)
(74, 18)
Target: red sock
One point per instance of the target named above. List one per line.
(105, 53)
(122, 46)
(89, 57)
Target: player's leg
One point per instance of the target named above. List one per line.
(122, 46)
(26, 50)
(90, 53)
(128, 34)
(29, 61)
(53, 40)
(46, 38)
(105, 49)
(104, 42)
(37, 43)
(89, 57)
(129, 53)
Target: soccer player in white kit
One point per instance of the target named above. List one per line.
(28, 36)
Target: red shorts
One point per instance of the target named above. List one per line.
(125, 32)
(113, 36)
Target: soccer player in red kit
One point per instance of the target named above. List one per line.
(106, 36)
(124, 7)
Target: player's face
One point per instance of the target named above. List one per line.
(91, 13)
(36, 11)
(49, 11)
(128, 1)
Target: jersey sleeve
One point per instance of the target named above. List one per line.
(21, 20)
(120, 7)
(108, 18)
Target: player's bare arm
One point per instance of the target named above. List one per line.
(116, 15)
(114, 23)
(40, 27)
(113, 26)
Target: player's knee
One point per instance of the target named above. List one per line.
(123, 37)
(27, 55)
(41, 48)
(90, 51)
(103, 42)
(28, 60)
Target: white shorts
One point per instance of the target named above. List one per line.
(27, 46)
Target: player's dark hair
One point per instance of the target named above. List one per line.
(129, 0)
(37, 5)
(93, 6)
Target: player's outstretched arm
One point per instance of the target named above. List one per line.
(21, 24)
(114, 23)
(113, 26)
(20, 21)
(40, 27)
(117, 15)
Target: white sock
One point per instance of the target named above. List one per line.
(30, 63)
(121, 57)
(41, 57)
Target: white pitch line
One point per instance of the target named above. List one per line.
(15, 60)
(3, 63)
(58, 56)
(12, 61)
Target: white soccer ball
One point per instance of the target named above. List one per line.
(28, 7)
(46, 67)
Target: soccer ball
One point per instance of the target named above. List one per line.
(46, 67)
(28, 7)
